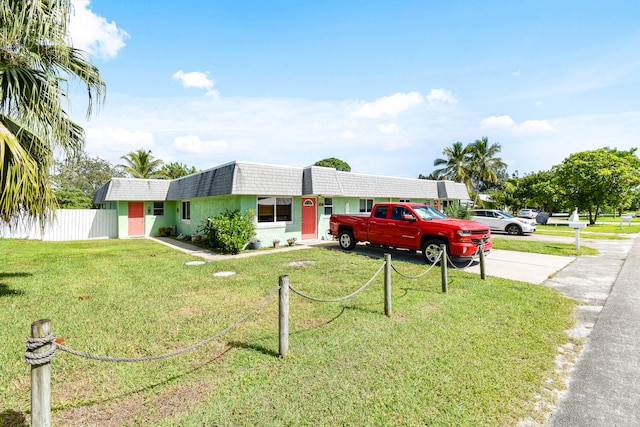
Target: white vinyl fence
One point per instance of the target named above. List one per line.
(67, 224)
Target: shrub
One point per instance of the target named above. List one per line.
(164, 231)
(231, 230)
(460, 211)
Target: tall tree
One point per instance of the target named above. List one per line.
(36, 64)
(142, 164)
(333, 162)
(484, 166)
(592, 180)
(455, 164)
(81, 175)
(175, 170)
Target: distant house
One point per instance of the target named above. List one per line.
(288, 201)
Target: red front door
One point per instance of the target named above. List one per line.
(136, 219)
(308, 218)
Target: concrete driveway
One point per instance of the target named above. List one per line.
(522, 266)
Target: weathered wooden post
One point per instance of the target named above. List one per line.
(387, 284)
(443, 268)
(483, 274)
(41, 379)
(283, 322)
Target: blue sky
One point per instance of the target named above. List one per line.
(384, 86)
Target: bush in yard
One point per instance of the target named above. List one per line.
(457, 211)
(231, 230)
(164, 231)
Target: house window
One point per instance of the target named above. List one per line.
(405, 200)
(328, 205)
(158, 208)
(186, 210)
(275, 209)
(366, 205)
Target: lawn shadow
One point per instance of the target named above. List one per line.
(405, 255)
(258, 348)
(168, 380)
(5, 290)
(10, 418)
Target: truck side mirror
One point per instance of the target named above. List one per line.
(409, 217)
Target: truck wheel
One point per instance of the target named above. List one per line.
(431, 250)
(347, 242)
(513, 229)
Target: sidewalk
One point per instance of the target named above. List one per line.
(604, 386)
(208, 255)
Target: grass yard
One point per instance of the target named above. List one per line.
(477, 356)
(595, 231)
(549, 248)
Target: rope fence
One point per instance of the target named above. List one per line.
(36, 358)
(41, 346)
(362, 288)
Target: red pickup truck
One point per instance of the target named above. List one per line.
(412, 226)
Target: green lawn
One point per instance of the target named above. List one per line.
(549, 248)
(478, 355)
(595, 231)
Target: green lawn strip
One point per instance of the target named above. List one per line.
(475, 356)
(549, 248)
(594, 229)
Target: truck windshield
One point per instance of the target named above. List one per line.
(427, 212)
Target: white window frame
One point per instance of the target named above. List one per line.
(368, 205)
(158, 211)
(274, 211)
(185, 211)
(328, 203)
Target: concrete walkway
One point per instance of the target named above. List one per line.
(604, 386)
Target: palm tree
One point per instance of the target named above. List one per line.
(456, 164)
(141, 164)
(483, 163)
(36, 64)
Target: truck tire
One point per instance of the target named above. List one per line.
(346, 240)
(431, 250)
(513, 229)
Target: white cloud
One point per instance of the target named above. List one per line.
(530, 126)
(192, 144)
(114, 143)
(441, 96)
(388, 128)
(204, 133)
(389, 106)
(497, 122)
(506, 122)
(92, 33)
(196, 80)
(516, 73)
(347, 134)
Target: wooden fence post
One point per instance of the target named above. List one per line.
(483, 274)
(387, 284)
(443, 268)
(41, 379)
(283, 323)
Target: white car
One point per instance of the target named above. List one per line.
(527, 213)
(502, 221)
